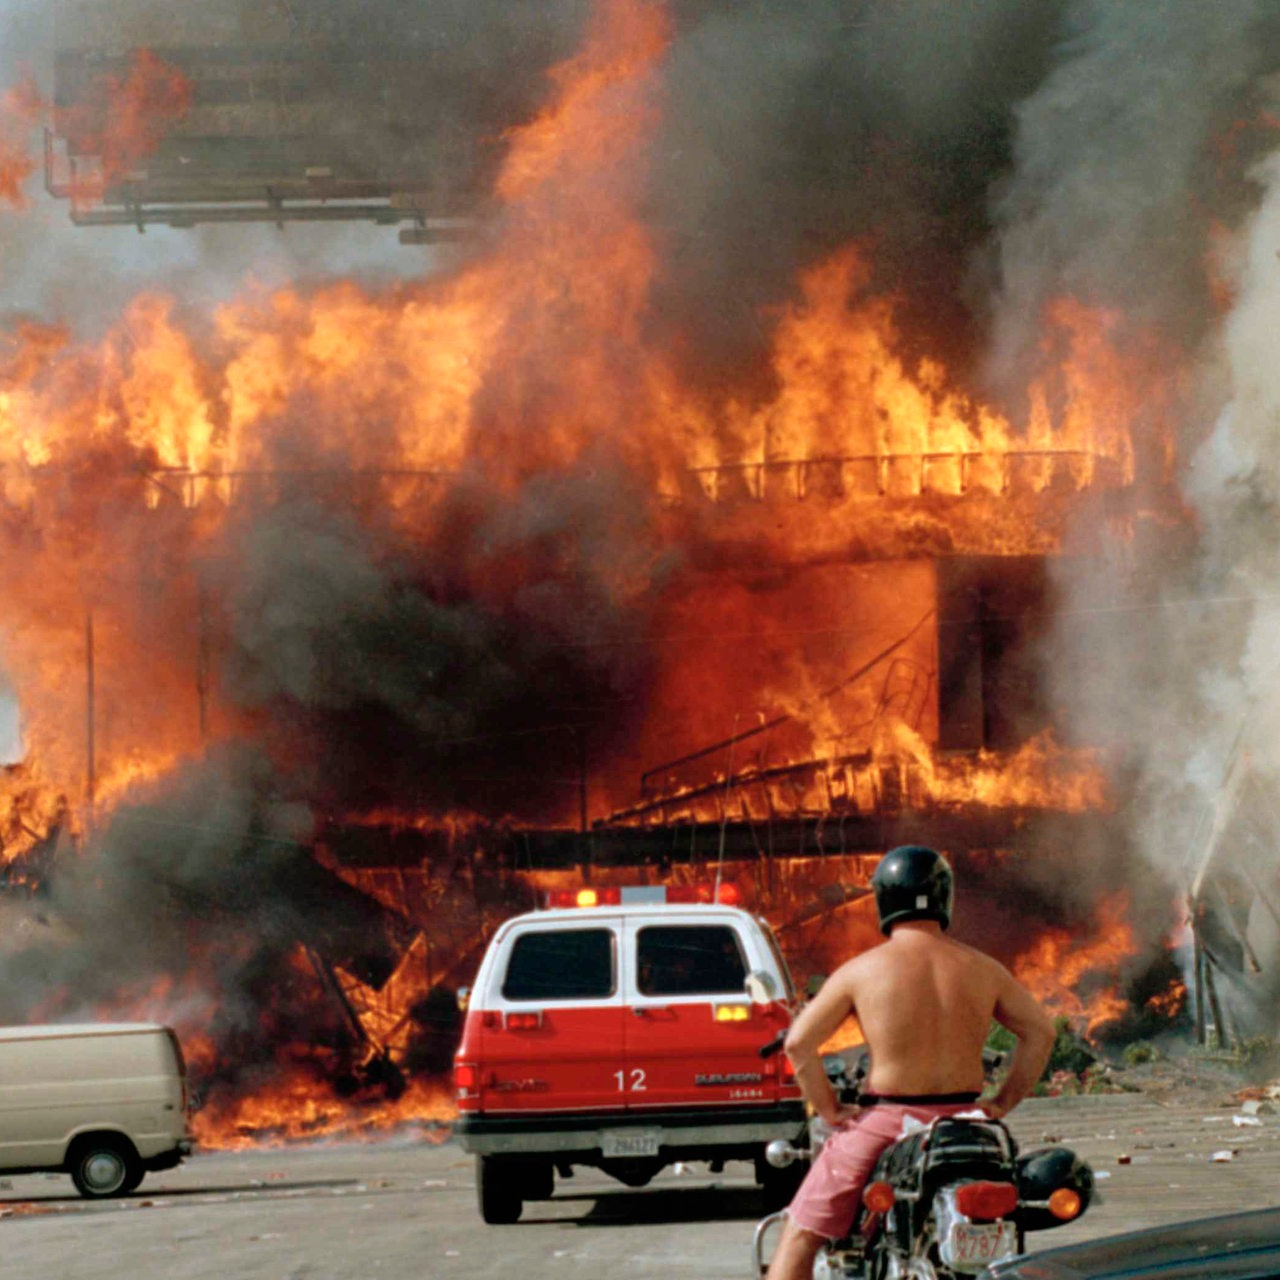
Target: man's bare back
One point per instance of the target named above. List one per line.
(925, 1004)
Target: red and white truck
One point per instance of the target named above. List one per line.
(622, 1029)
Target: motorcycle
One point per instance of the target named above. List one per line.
(945, 1200)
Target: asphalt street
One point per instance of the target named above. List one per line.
(407, 1208)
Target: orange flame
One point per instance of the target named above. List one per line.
(303, 1108)
(20, 109)
(1170, 1002)
(124, 120)
(524, 360)
(1060, 965)
(121, 124)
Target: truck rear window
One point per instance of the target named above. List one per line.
(689, 959)
(560, 964)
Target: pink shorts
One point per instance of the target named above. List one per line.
(831, 1194)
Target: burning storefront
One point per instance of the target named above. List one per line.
(638, 538)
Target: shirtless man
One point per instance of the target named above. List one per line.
(925, 1004)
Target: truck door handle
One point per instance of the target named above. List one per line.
(642, 1011)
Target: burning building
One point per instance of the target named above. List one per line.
(773, 476)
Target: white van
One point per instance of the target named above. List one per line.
(104, 1102)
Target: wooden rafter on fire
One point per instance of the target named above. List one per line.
(950, 473)
(32, 825)
(731, 743)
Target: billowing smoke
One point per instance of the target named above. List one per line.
(451, 672)
(1141, 183)
(1120, 167)
(793, 129)
(994, 156)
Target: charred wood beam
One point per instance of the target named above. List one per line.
(742, 782)
(1215, 1005)
(333, 988)
(1197, 991)
(695, 844)
(342, 924)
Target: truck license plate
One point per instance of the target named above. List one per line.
(616, 1143)
(971, 1245)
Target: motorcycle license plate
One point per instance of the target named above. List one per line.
(619, 1143)
(971, 1245)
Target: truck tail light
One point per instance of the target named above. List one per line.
(528, 1021)
(987, 1201)
(465, 1076)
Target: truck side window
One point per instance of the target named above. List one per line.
(560, 964)
(689, 959)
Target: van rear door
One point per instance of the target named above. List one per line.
(693, 1036)
(553, 1018)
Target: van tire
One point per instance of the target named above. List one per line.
(104, 1165)
(498, 1191)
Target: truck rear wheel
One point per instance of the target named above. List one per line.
(777, 1186)
(498, 1190)
(539, 1180)
(104, 1165)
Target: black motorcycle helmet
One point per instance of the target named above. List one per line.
(913, 883)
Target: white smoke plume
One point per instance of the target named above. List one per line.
(1138, 185)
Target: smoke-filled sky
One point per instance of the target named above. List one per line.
(995, 155)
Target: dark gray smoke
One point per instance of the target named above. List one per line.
(793, 128)
(452, 668)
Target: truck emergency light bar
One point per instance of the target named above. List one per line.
(613, 895)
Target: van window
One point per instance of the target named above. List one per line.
(689, 959)
(561, 964)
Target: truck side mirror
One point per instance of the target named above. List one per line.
(762, 987)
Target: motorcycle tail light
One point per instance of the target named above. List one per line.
(878, 1197)
(986, 1201)
(1065, 1203)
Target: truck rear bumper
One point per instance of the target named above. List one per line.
(682, 1134)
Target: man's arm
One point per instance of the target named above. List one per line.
(807, 1034)
(1019, 1011)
